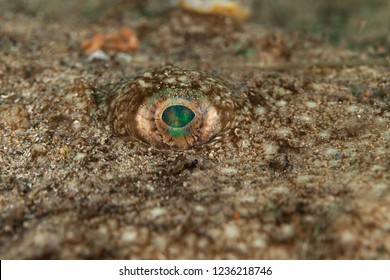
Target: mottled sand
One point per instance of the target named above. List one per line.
(305, 174)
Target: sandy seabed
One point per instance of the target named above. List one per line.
(305, 174)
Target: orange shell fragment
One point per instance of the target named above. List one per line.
(123, 40)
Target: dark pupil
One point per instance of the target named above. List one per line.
(177, 116)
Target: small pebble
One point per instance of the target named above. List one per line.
(64, 150)
(129, 236)
(123, 58)
(98, 55)
(37, 150)
(229, 171)
(80, 156)
(232, 231)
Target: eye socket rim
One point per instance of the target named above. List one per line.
(125, 103)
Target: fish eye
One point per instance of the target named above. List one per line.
(171, 108)
(177, 116)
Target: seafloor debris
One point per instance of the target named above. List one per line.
(123, 40)
(98, 55)
(14, 116)
(171, 108)
(238, 9)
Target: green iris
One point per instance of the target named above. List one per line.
(177, 116)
